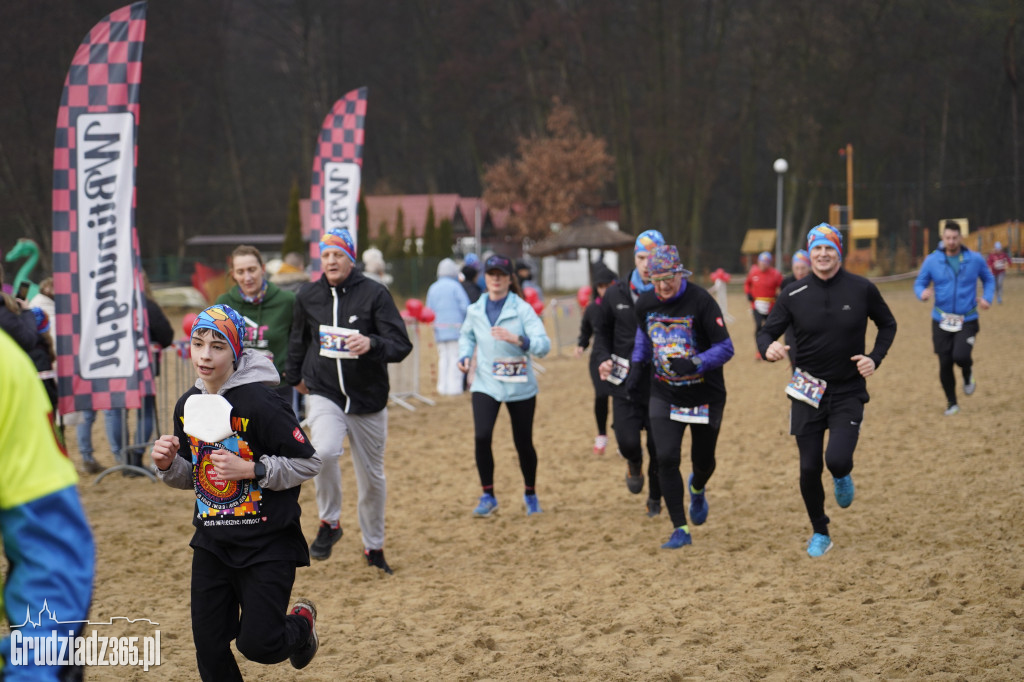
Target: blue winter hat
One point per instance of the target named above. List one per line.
(824, 234)
(223, 320)
(339, 238)
(765, 256)
(648, 241)
(472, 260)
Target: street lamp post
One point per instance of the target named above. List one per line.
(780, 167)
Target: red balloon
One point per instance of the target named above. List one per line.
(414, 306)
(531, 295)
(427, 315)
(187, 322)
(583, 295)
(538, 307)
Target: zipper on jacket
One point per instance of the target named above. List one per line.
(337, 361)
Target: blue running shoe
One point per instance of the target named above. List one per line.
(488, 505)
(818, 545)
(532, 505)
(698, 504)
(680, 538)
(844, 491)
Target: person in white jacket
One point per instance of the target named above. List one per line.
(505, 332)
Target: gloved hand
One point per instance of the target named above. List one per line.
(750, 297)
(682, 366)
(637, 383)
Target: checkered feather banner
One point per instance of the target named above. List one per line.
(102, 330)
(337, 171)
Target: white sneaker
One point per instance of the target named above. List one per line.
(951, 410)
(969, 388)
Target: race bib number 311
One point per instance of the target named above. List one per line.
(332, 342)
(806, 388)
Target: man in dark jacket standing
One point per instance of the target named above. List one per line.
(346, 329)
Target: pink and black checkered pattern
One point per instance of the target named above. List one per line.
(341, 141)
(104, 77)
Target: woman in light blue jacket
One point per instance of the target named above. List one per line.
(505, 331)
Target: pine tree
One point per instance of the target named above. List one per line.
(363, 226)
(396, 242)
(445, 238)
(293, 226)
(430, 243)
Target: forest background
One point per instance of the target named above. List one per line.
(695, 100)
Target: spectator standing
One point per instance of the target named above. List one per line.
(449, 301)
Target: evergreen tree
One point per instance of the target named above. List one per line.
(430, 243)
(293, 226)
(445, 238)
(363, 226)
(383, 240)
(396, 242)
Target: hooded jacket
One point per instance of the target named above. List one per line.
(955, 292)
(449, 301)
(266, 323)
(357, 385)
(260, 522)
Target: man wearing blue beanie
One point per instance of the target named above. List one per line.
(614, 333)
(829, 312)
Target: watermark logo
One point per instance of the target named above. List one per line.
(49, 641)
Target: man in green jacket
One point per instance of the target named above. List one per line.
(266, 309)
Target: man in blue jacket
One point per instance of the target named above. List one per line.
(955, 270)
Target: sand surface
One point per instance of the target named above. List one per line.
(925, 581)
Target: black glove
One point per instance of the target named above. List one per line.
(682, 366)
(750, 297)
(636, 386)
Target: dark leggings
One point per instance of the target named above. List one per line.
(954, 348)
(601, 414)
(631, 418)
(485, 414)
(248, 605)
(843, 423)
(668, 442)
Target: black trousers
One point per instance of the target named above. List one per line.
(630, 418)
(954, 348)
(264, 632)
(842, 417)
(668, 440)
(485, 414)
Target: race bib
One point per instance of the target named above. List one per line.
(332, 342)
(511, 370)
(620, 369)
(807, 388)
(951, 322)
(689, 415)
(763, 305)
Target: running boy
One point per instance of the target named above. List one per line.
(246, 478)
